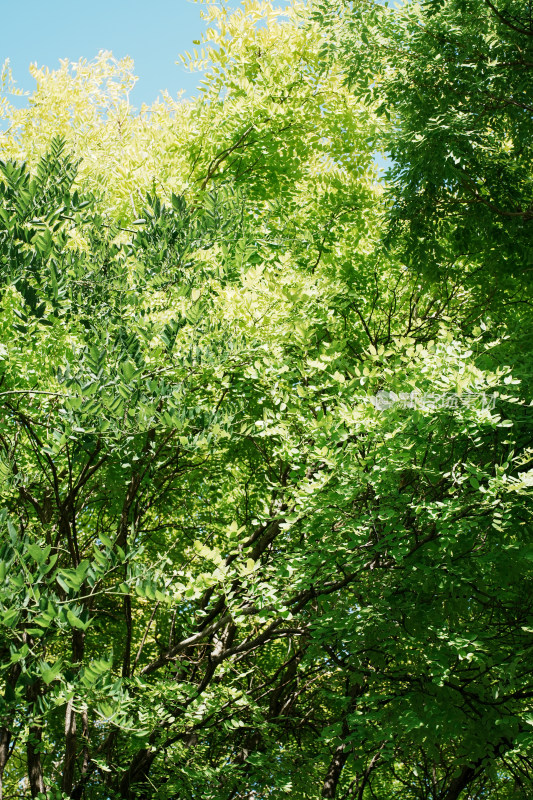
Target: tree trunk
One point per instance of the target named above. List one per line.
(35, 735)
(70, 749)
(136, 774)
(35, 770)
(5, 731)
(69, 764)
(5, 738)
(459, 783)
(329, 788)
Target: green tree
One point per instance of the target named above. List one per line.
(454, 79)
(265, 490)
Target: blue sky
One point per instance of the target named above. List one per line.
(153, 33)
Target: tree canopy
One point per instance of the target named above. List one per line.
(265, 429)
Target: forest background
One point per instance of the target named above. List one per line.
(265, 425)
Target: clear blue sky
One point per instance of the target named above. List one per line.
(153, 33)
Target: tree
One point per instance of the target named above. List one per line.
(455, 80)
(264, 489)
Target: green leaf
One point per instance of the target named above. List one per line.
(50, 673)
(75, 621)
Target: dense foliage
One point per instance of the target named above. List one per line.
(265, 429)
(455, 79)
